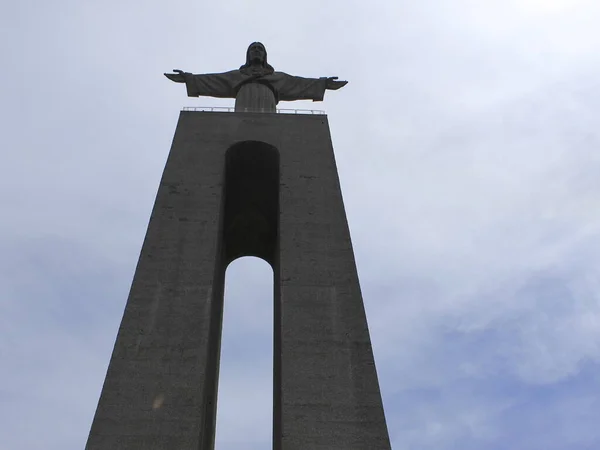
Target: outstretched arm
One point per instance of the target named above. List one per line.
(210, 84)
(292, 88)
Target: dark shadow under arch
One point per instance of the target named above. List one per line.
(251, 212)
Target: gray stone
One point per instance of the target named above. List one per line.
(244, 184)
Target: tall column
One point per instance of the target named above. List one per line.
(160, 386)
(240, 184)
(329, 394)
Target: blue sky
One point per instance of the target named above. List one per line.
(467, 146)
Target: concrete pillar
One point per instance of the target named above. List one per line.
(238, 184)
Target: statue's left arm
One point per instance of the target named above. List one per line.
(291, 88)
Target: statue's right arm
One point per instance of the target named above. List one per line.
(210, 84)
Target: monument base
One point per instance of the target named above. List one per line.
(239, 184)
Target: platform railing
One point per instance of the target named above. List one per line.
(232, 109)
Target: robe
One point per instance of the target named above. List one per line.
(255, 93)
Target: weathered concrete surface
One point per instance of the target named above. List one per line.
(160, 389)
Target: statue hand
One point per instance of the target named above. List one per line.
(177, 77)
(333, 84)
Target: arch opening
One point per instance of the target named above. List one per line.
(243, 342)
(245, 398)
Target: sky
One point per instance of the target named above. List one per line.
(467, 148)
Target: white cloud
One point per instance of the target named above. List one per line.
(467, 148)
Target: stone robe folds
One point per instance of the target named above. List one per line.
(255, 93)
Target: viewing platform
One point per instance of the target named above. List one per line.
(232, 109)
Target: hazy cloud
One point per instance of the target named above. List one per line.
(466, 143)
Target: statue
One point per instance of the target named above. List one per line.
(256, 86)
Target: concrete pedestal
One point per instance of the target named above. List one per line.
(238, 184)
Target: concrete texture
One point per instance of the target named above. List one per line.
(240, 184)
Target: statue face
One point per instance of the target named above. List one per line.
(257, 53)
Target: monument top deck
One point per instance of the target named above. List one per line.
(249, 110)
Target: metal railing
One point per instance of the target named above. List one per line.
(232, 109)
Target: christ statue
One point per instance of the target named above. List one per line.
(256, 86)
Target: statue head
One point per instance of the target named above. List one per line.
(256, 56)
